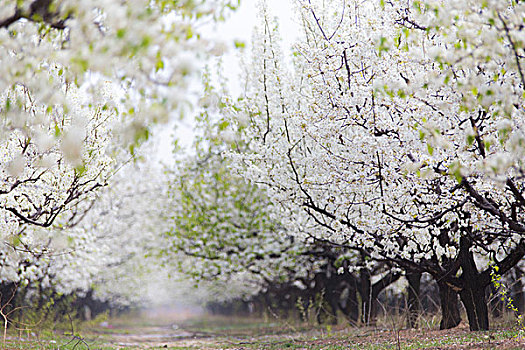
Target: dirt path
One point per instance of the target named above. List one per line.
(178, 330)
(158, 328)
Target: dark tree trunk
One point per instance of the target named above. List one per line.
(450, 315)
(473, 293)
(332, 294)
(327, 311)
(369, 294)
(473, 298)
(8, 291)
(349, 305)
(370, 308)
(413, 300)
(325, 297)
(368, 302)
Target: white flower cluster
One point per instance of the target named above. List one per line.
(81, 83)
(398, 128)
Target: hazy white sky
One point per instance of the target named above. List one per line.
(238, 26)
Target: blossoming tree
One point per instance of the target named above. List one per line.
(221, 226)
(372, 140)
(81, 84)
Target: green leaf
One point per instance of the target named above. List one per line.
(189, 33)
(80, 62)
(159, 64)
(223, 125)
(80, 170)
(239, 44)
(121, 33)
(16, 241)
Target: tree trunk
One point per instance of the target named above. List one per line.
(349, 304)
(473, 298)
(413, 300)
(450, 316)
(473, 293)
(369, 294)
(368, 307)
(332, 296)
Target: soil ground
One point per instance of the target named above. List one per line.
(178, 329)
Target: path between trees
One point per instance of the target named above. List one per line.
(195, 331)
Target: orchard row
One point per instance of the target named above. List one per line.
(391, 144)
